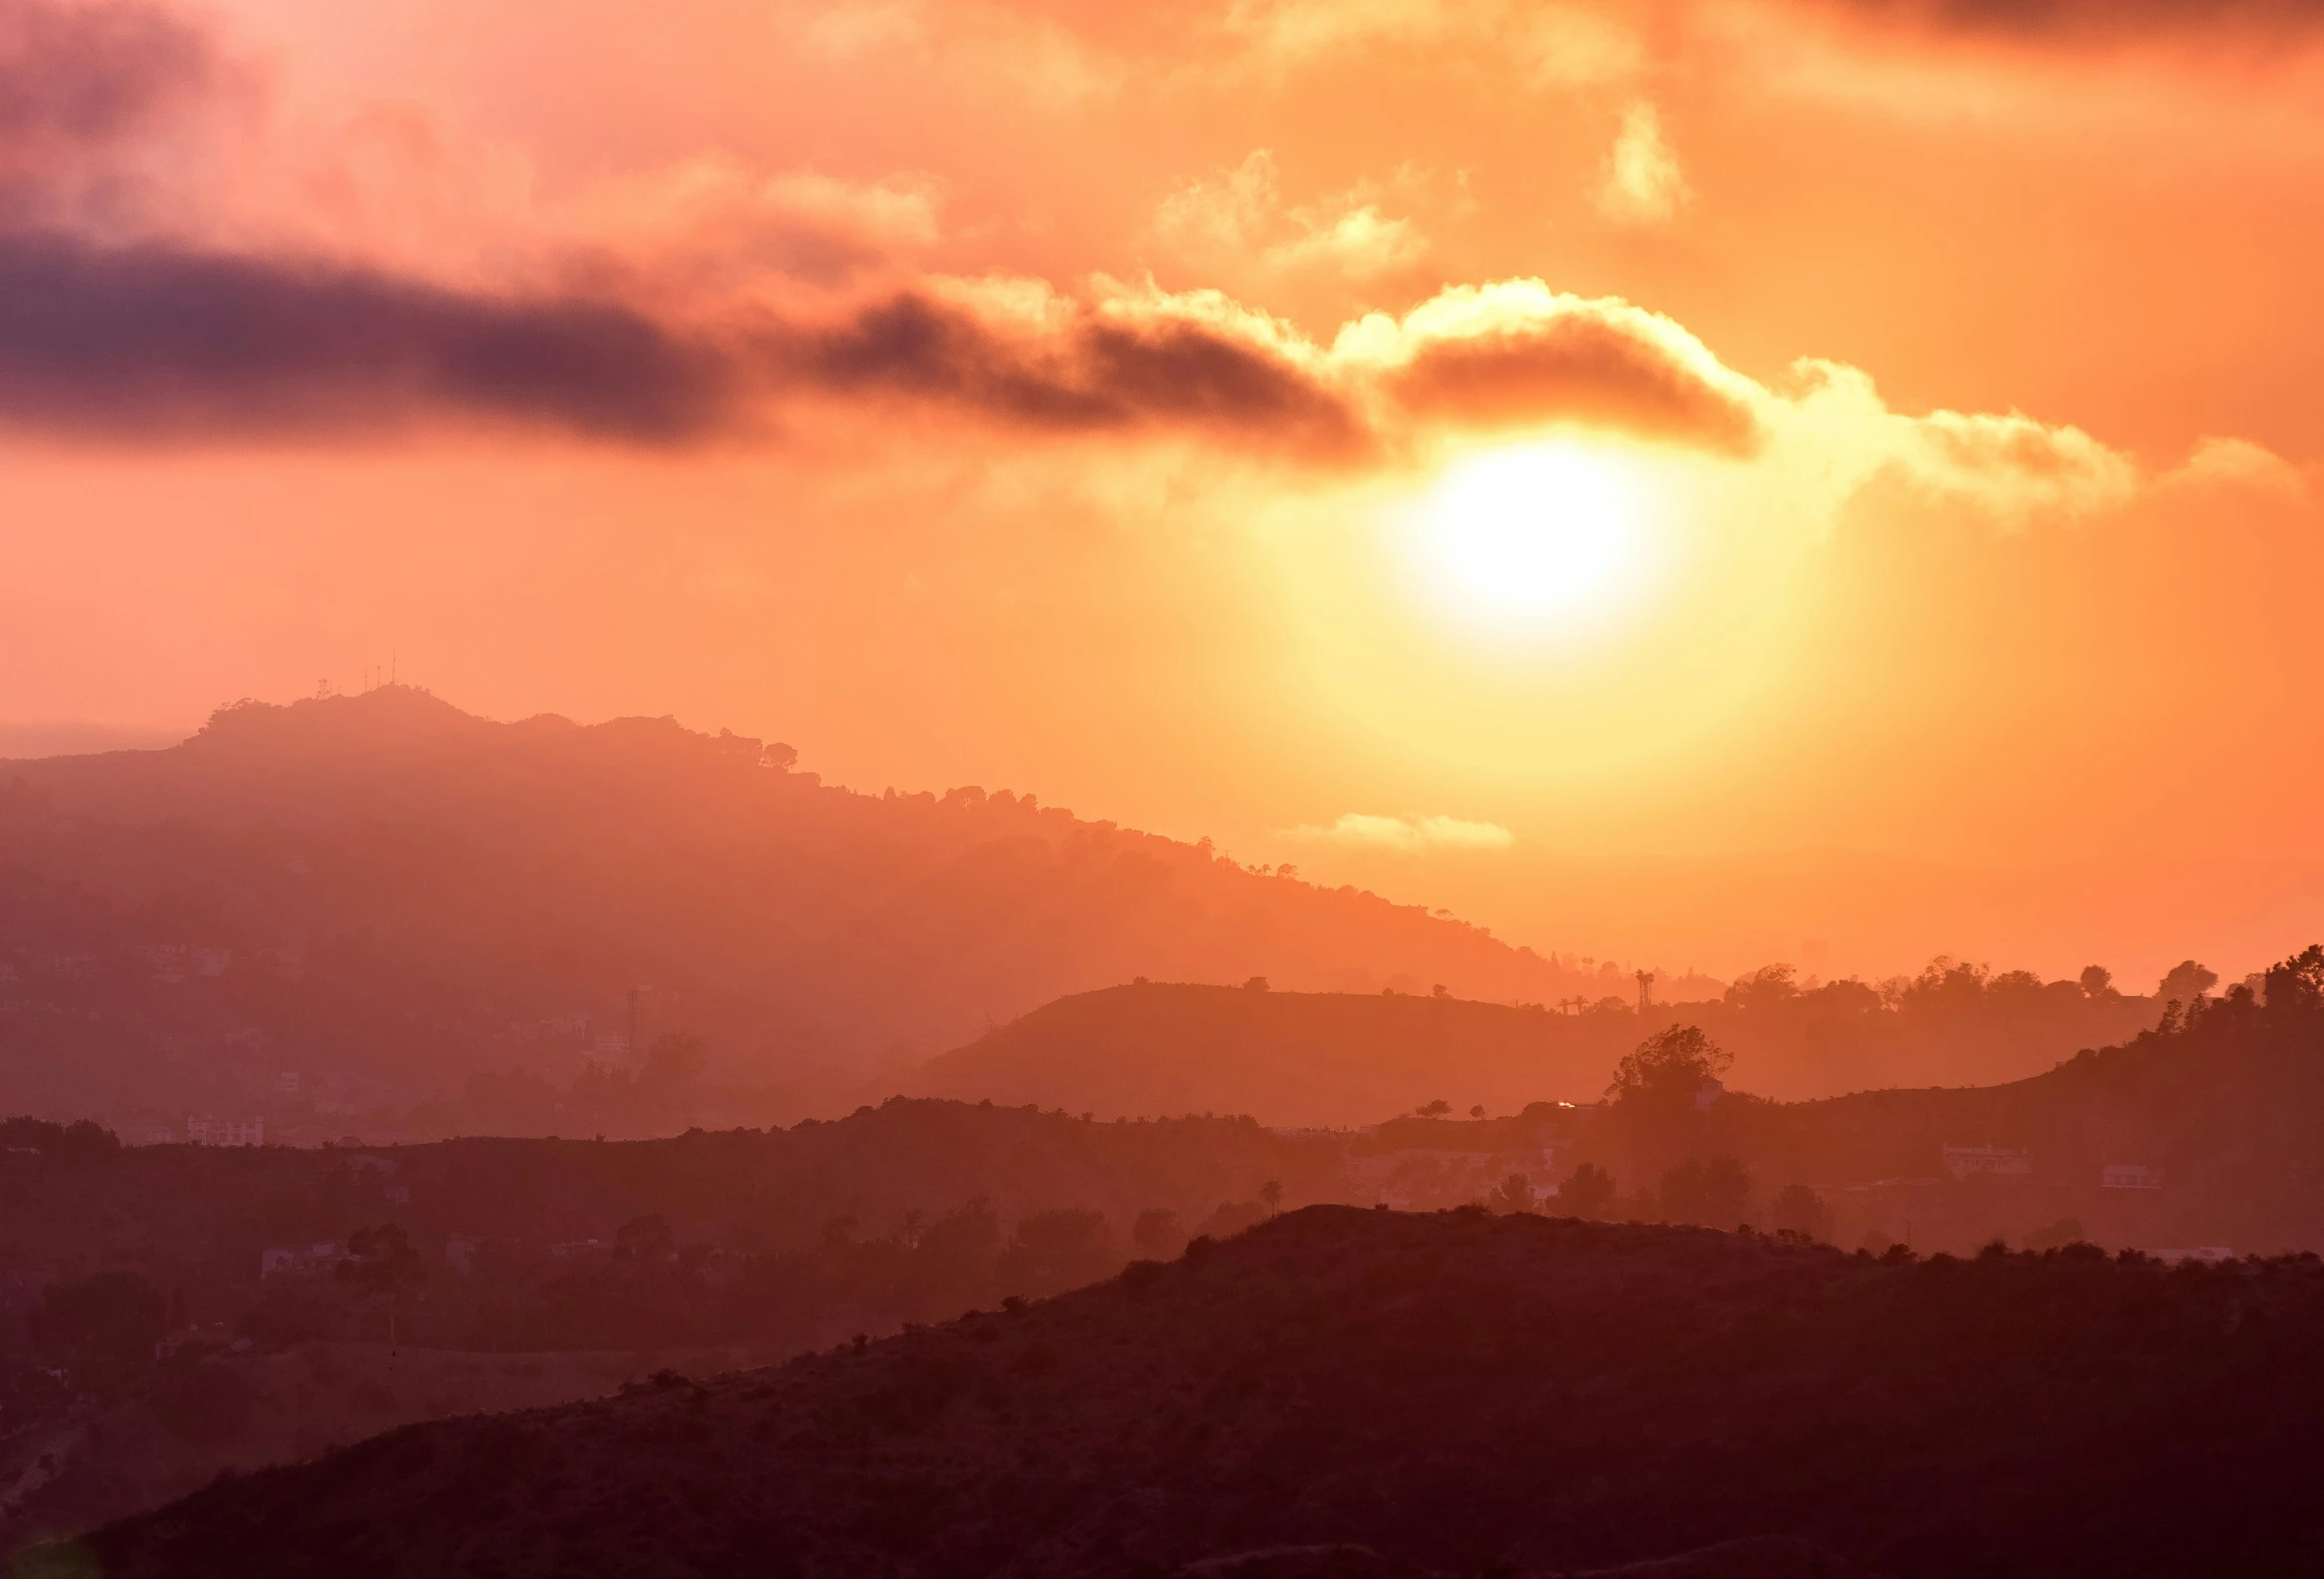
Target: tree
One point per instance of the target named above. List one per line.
(2186, 982)
(1433, 1110)
(1476, 1111)
(1664, 1074)
(1587, 1191)
(1763, 988)
(1053, 1251)
(645, 1238)
(379, 1258)
(1515, 1194)
(1271, 1196)
(382, 1263)
(2297, 985)
(101, 1329)
(1716, 1192)
(1158, 1233)
(2097, 982)
(1799, 1210)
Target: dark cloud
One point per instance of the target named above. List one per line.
(1578, 366)
(2102, 18)
(92, 74)
(162, 341)
(158, 340)
(1092, 374)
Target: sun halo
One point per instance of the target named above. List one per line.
(1539, 541)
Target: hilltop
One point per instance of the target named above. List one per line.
(1297, 1057)
(385, 895)
(1352, 1058)
(1446, 1390)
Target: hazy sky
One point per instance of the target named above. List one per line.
(1697, 481)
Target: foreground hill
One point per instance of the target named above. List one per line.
(1349, 1058)
(1447, 1391)
(105, 1459)
(383, 895)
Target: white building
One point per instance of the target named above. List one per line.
(226, 1132)
(1962, 1160)
(2130, 1175)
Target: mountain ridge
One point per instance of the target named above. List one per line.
(384, 880)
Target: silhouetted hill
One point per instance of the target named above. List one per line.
(783, 1237)
(1446, 1390)
(384, 891)
(1294, 1057)
(1352, 1058)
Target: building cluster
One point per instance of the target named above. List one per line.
(226, 1132)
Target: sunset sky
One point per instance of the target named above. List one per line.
(1700, 482)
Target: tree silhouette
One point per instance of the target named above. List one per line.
(1665, 1072)
(643, 1239)
(1716, 1192)
(1158, 1233)
(2187, 981)
(382, 1263)
(1514, 1193)
(2297, 985)
(1587, 1191)
(1799, 1210)
(1433, 1110)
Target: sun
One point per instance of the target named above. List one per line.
(1534, 540)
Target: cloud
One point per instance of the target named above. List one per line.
(1553, 45)
(1834, 434)
(1410, 834)
(1238, 217)
(80, 87)
(1643, 183)
(165, 339)
(156, 339)
(2061, 19)
(1517, 353)
(716, 224)
(2237, 463)
(1019, 352)
(90, 75)
(989, 48)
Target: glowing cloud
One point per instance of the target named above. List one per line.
(1407, 833)
(1643, 183)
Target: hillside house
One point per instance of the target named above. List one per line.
(226, 1132)
(2130, 1175)
(2001, 1160)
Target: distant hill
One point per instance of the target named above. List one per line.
(1453, 1392)
(380, 894)
(1294, 1057)
(1355, 1058)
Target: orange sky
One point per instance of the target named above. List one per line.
(1142, 407)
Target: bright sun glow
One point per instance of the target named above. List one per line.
(1536, 539)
